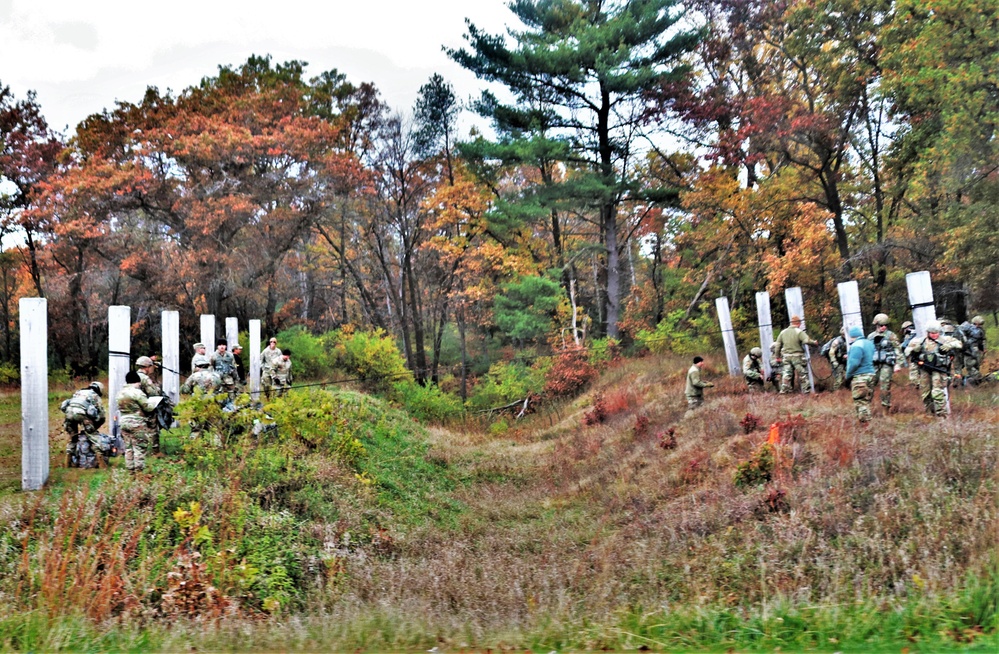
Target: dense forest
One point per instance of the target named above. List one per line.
(642, 158)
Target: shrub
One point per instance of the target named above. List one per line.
(750, 423)
(569, 374)
(667, 439)
(309, 359)
(319, 420)
(641, 425)
(677, 335)
(371, 357)
(9, 372)
(507, 382)
(758, 469)
(427, 403)
(598, 413)
(604, 350)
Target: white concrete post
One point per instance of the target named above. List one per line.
(119, 358)
(921, 300)
(255, 359)
(171, 355)
(208, 332)
(766, 329)
(231, 332)
(796, 306)
(849, 306)
(728, 336)
(34, 392)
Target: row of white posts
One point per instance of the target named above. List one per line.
(35, 373)
(920, 299)
(34, 355)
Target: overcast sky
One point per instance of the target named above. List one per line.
(83, 55)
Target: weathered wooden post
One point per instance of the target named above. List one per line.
(231, 332)
(171, 355)
(208, 332)
(921, 300)
(34, 392)
(119, 357)
(766, 329)
(255, 359)
(849, 306)
(796, 306)
(728, 336)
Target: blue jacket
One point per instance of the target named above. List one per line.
(860, 359)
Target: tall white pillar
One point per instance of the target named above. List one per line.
(921, 300)
(119, 357)
(231, 332)
(208, 332)
(171, 355)
(796, 306)
(255, 359)
(34, 392)
(766, 328)
(728, 336)
(849, 306)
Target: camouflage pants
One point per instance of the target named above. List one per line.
(913, 374)
(72, 426)
(267, 383)
(972, 365)
(137, 441)
(839, 375)
(862, 390)
(792, 364)
(883, 377)
(694, 403)
(933, 389)
(281, 386)
(755, 385)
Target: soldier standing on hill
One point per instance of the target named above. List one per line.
(860, 373)
(774, 366)
(136, 409)
(837, 359)
(269, 358)
(932, 355)
(237, 358)
(282, 373)
(909, 333)
(974, 350)
(199, 351)
(752, 370)
(147, 368)
(695, 387)
(791, 348)
(224, 366)
(887, 357)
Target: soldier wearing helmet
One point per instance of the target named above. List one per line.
(85, 409)
(791, 350)
(931, 355)
(887, 357)
(835, 350)
(752, 369)
(909, 333)
(146, 369)
(974, 348)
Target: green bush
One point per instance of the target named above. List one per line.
(319, 420)
(507, 382)
(308, 356)
(428, 403)
(9, 372)
(371, 357)
(679, 336)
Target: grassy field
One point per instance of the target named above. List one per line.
(551, 535)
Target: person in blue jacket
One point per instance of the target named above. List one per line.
(860, 373)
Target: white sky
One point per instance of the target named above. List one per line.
(83, 55)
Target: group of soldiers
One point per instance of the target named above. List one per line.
(864, 363)
(140, 398)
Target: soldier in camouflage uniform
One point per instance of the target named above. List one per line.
(775, 364)
(837, 359)
(860, 373)
(147, 368)
(204, 378)
(909, 333)
(224, 366)
(752, 370)
(791, 349)
(282, 373)
(694, 391)
(269, 358)
(974, 348)
(932, 355)
(136, 409)
(199, 351)
(887, 357)
(240, 372)
(85, 409)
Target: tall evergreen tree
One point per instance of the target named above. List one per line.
(578, 75)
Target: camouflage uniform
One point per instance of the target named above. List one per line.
(85, 409)
(909, 333)
(207, 380)
(136, 412)
(752, 370)
(974, 349)
(149, 387)
(837, 360)
(791, 348)
(775, 365)
(224, 366)
(282, 376)
(269, 357)
(695, 388)
(933, 383)
(887, 358)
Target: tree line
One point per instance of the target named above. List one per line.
(643, 157)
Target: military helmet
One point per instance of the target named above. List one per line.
(201, 361)
(907, 324)
(97, 387)
(144, 362)
(756, 352)
(881, 319)
(978, 320)
(933, 326)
